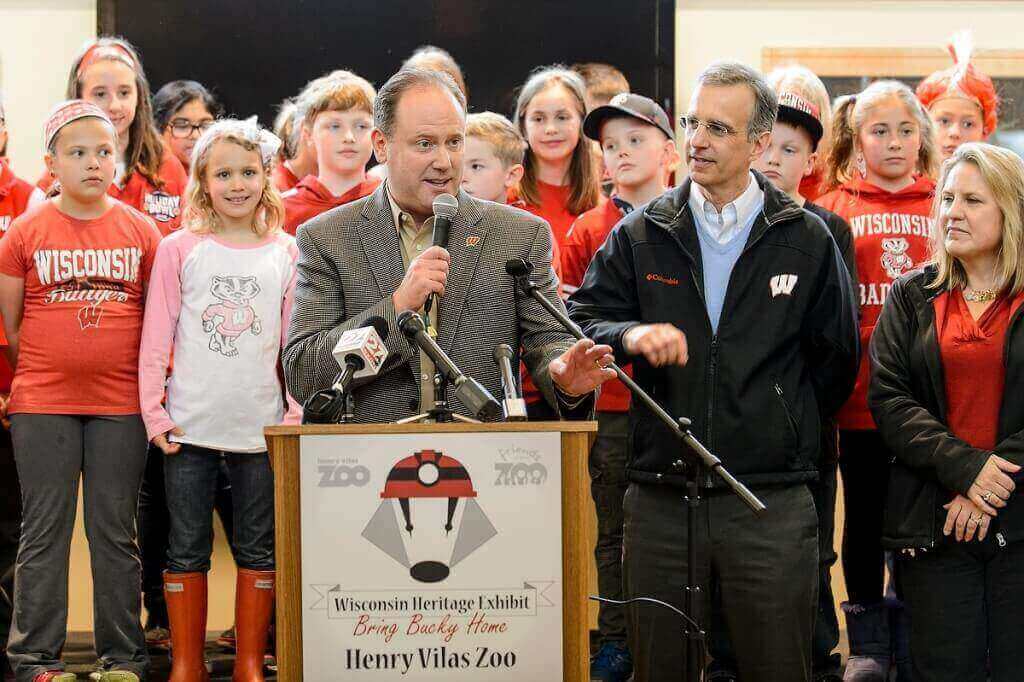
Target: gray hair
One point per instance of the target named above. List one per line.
(766, 102)
(386, 104)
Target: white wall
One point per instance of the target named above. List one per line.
(41, 38)
(708, 30)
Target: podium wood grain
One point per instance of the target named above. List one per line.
(577, 531)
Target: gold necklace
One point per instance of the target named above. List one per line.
(980, 295)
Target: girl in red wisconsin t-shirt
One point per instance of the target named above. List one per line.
(560, 179)
(109, 74)
(73, 272)
(882, 163)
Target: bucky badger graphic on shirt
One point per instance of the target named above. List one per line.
(233, 314)
(895, 259)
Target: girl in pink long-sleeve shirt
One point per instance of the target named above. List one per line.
(220, 297)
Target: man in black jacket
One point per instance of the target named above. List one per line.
(736, 308)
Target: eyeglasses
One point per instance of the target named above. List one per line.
(693, 124)
(181, 128)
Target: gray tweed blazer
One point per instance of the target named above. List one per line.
(350, 263)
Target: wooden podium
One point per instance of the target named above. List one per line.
(577, 529)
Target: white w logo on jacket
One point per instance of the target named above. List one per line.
(782, 284)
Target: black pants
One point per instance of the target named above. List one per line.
(607, 466)
(824, 657)
(766, 567)
(155, 528)
(865, 467)
(967, 603)
(10, 532)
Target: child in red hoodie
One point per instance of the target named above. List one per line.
(337, 123)
(560, 179)
(882, 162)
(109, 74)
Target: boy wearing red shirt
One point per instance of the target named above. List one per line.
(337, 125)
(638, 148)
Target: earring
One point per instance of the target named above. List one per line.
(862, 167)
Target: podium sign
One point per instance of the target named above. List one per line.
(432, 556)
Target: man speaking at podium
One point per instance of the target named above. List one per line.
(374, 258)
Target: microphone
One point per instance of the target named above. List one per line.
(514, 405)
(445, 209)
(520, 270)
(470, 392)
(361, 353)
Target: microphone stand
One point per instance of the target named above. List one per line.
(700, 461)
(441, 412)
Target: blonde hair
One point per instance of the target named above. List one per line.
(498, 131)
(1003, 173)
(848, 116)
(199, 216)
(285, 129)
(338, 91)
(583, 179)
(804, 82)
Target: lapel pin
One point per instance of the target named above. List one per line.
(472, 241)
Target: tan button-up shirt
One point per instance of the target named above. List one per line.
(414, 241)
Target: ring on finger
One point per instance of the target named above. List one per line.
(987, 496)
(975, 519)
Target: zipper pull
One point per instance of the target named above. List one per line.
(1000, 539)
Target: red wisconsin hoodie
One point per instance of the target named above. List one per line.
(891, 236)
(310, 198)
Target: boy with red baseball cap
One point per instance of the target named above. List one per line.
(638, 149)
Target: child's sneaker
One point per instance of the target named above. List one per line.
(54, 676)
(113, 676)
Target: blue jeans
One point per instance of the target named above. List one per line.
(190, 480)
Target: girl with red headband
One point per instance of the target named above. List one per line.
(961, 100)
(148, 176)
(73, 272)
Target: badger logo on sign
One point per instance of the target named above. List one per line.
(429, 519)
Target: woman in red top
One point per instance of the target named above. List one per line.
(882, 158)
(560, 179)
(148, 177)
(947, 363)
(73, 273)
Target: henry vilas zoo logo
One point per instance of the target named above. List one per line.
(429, 519)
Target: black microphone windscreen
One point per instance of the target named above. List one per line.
(381, 325)
(410, 323)
(517, 267)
